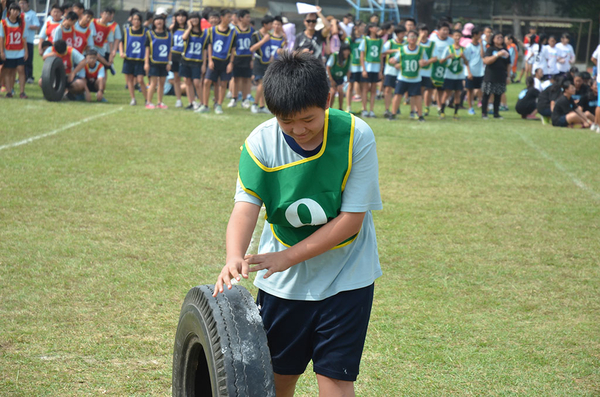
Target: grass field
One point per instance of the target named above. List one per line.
(489, 241)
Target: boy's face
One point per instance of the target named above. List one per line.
(91, 60)
(456, 36)
(78, 10)
(475, 36)
(539, 73)
(400, 37)
(578, 81)
(443, 33)
(225, 19)
(412, 39)
(552, 41)
(277, 26)
(424, 34)
(268, 26)
(56, 14)
(487, 32)
(564, 40)
(67, 23)
(305, 127)
(409, 25)
(24, 6)
(213, 20)
(85, 20)
(245, 20)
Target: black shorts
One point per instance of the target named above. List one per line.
(241, 67)
(413, 89)
(561, 122)
(546, 112)
(219, 72)
(91, 85)
(426, 82)
(176, 61)
(474, 83)
(453, 85)
(372, 77)
(158, 70)
(355, 77)
(14, 63)
(192, 70)
(389, 80)
(338, 82)
(331, 332)
(135, 68)
(259, 70)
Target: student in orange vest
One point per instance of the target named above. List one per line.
(48, 27)
(95, 77)
(74, 63)
(84, 32)
(13, 49)
(66, 31)
(104, 34)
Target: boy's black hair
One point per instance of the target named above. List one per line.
(386, 26)
(413, 31)
(149, 15)
(476, 30)
(422, 26)
(295, 82)
(565, 36)
(574, 69)
(444, 24)
(72, 16)
(242, 13)
(511, 38)
(78, 5)
(133, 11)
(566, 83)
(224, 12)
(66, 6)
(552, 37)
(267, 19)
(456, 31)
(278, 19)
(214, 14)
(585, 75)
(60, 46)
(369, 26)
(88, 12)
(91, 52)
(206, 12)
(109, 10)
(400, 29)
(411, 20)
(46, 44)
(529, 82)
(26, 1)
(55, 6)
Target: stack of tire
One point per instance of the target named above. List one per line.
(221, 346)
(54, 79)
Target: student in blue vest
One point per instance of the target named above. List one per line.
(133, 51)
(317, 259)
(221, 55)
(177, 29)
(261, 47)
(193, 60)
(158, 59)
(242, 65)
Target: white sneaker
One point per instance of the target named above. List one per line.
(202, 109)
(264, 110)
(254, 108)
(364, 113)
(228, 96)
(218, 109)
(246, 104)
(232, 103)
(196, 105)
(372, 114)
(178, 104)
(133, 102)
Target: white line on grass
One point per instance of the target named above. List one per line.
(54, 132)
(561, 168)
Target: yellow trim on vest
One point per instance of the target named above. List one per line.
(316, 156)
(350, 149)
(248, 190)
(343, 244)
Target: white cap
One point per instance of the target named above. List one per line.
(285, 20)
(161, 10)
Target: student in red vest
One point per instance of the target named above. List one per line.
(95, 77)
(104, 34)
(74, 63)
(65, 31)
(48, 27)
(13, 49)
(84, 32)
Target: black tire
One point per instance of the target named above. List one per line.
(54, 79)
(221, 346)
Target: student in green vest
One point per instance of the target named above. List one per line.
(454, 77)
(426, 84)
(315, 169)
(390, 73)
(409, 61)
(354, 83)
(338, 67)
(370, 60)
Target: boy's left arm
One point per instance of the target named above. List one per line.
(343, 226)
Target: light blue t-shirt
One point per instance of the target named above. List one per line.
(43, 35)
(353, 266)
(13, 54)
(31, 20)
(473, 55)
(77, 59)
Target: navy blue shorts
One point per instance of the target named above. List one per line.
(331, 332)
(546, 112)
(372, 77)
(453, 85)
(192, 70)
(426, 82)
(219, 72)
(355, 77)
(158, 70)
(561, 122)
(259, 70)
(473, 84)
(339, 82)
(13, 63)
(413, 89)
(135, 68)
(389, 80)
(241, 67)
(176, 62)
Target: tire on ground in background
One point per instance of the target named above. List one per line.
(54, 79)
(221, 346)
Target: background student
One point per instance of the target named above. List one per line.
(157, 61)
(132, 49)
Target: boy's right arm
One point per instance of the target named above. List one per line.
(239, 233)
